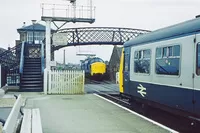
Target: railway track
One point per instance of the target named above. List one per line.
(178, 123)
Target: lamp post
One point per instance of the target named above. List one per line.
(33, 22)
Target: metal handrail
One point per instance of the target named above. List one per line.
(42, 57)
(22, 58)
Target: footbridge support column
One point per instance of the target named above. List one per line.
(48, 43)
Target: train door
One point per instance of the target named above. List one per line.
(197, 76)
(126, 70)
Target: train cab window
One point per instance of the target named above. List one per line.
(169, 62)
(142, 61)
(198, 59)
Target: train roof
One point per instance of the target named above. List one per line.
(89, 59)
(175, 31)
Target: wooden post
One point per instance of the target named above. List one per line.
(45, 81)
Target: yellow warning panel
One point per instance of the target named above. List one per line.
(121, 76)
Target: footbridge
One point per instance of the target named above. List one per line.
(94, 36)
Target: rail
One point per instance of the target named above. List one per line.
(42, 57)
(22, 59)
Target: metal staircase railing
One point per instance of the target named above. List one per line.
(42, 57)
(9, 61)
(21, 66)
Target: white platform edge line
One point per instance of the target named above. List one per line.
(154, 122)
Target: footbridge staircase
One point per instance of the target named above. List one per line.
(23, 66)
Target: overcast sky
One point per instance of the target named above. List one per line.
(141, 14)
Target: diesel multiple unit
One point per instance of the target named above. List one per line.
(162, 68)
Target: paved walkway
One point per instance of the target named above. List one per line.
(86, 114)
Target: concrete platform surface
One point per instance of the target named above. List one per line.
(96, 88)
(86, 114)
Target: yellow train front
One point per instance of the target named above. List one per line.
(95, 68)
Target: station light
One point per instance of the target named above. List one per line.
(72, 1)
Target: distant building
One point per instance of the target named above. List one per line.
(114, 62)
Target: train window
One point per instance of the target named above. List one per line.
(136, 55)
(176, 50)
(198, 59)
(158, 53)
(170, 51)
(169, 63)
(140, 54)
(165, 52)
(142, 61)
(146, 54)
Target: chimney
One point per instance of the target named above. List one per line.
(197, 16)
(24, 24)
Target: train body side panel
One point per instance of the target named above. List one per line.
(197, 74)
(174, 97)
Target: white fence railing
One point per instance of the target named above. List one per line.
(64, 82)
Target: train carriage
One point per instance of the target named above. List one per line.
(162, 68)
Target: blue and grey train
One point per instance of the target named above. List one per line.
(94, 68)
(162, 69)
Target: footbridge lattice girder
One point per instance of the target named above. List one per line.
(98, 36)
(11, 57)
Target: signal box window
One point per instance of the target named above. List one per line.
(168, 60)
(142, 61)
(198, 59)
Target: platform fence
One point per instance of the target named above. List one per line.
(64, 82)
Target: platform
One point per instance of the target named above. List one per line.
(86, 114)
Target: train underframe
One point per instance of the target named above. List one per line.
(136, 100)
(97, 77)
